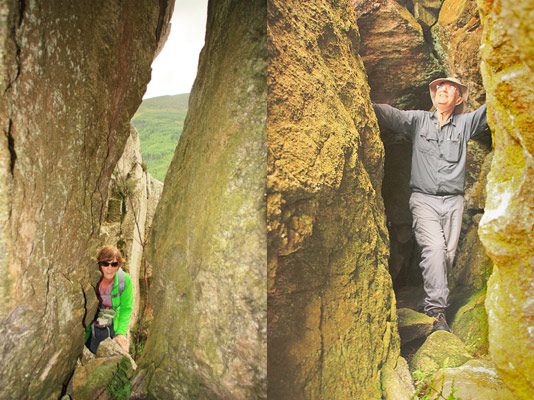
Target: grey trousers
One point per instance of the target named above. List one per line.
(437, 222)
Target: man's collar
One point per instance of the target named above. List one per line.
(451, 119)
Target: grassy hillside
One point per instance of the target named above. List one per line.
(160, 121)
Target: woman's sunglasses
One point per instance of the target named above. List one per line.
(114, 264)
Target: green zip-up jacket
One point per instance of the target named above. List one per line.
(121, 304)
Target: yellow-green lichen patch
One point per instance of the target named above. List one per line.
(441, 348)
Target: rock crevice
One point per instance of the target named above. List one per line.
(73, 74)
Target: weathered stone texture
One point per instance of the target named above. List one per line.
(506, 229)
(398, 58)
(95, 372)
(475, 380)
(73, 74)
(441, 349)
(208, 242)
(456, 40)
(331, 315)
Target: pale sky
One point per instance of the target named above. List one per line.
(175, 68)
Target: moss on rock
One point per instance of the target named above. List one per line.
(90, 381)
(207, 246)
(331, 316)
(441, 349)
(413, 325)
(506, 227)
(470, 324)
(475, 380)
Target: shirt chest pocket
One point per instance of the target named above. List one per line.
(450, 150)
(428, 144)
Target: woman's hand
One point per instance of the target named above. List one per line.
(123, 342)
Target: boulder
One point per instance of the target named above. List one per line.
(506, 227)
(470, 324)
(93, 376)
(90, 381)
(72, 76)
(110, 348)
(208, 241)
(426, 12)
(331, 315)
(475, 380)
(413, 325)
(441, 350)
(397, 381)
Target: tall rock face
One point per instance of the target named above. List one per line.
(73, 74)
(208, 242)
(331, 315)
(133, 195)
(506, 229)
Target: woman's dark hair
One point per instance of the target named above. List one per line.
(108, 253)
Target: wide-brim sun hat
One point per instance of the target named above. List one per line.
(460, 108)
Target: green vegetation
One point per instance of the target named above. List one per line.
(120, 388)
(426, 387)
(141, 337)
(160, 121)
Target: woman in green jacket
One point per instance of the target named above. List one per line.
(115, 297)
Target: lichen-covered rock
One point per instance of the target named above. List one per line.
(208, 241)
(397, 381)
(470, 324)
(472, 267)
(132, 200)
(110, 348)
(72, 75)
(331, 315)
(89, 381)
(506, 229)
(413, 325)
(441, 349)
(475, 380)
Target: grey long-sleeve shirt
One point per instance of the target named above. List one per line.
(438, 154)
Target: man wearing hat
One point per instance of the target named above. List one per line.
(439, 148)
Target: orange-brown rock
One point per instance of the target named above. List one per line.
(456, 39)
(331, 314)
(398, 59)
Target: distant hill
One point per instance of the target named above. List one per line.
(160, 121)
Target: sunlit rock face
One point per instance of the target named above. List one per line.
(506, 228)
(456, 39)
(331, 318)
(73, 74)
(208, 243)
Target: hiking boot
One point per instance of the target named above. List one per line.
(441, 322)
